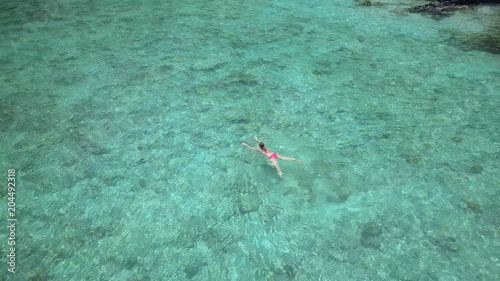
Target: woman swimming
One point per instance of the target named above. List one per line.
(272, 156)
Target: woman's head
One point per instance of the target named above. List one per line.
(262, 146)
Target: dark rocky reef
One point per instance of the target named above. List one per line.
(447, 7)
(487, 40)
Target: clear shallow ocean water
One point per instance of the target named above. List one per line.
(124, 122)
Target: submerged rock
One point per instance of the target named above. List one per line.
(249, 203)
(476, 169)
(371, 236)
(487, 42)
(476, 208)
(368, 3)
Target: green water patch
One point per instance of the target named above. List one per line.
(488, 41)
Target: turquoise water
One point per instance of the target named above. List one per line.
(124, 122)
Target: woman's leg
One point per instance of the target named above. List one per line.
(275, 164)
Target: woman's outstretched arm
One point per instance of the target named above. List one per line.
(250, 147)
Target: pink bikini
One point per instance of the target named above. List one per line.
(274, 155)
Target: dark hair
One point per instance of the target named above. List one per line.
(261, 145)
